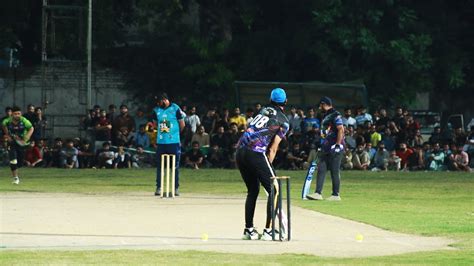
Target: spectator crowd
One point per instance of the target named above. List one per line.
(377, 141)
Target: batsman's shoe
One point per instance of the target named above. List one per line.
(250, 234)
(16, 181)
(267, 235)
(334, 198)
(314, 196)
(176, 192)
(158, 192)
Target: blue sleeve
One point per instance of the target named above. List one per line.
(338, 120)
(179, 115)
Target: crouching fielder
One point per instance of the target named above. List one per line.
(17, 131)
(257, 149)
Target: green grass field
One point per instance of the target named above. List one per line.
(422, 203)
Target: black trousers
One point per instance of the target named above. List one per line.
(255, 169)
(329, 161)
(16, 152)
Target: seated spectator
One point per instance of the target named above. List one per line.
(122, 158)
(459, 160)
(140, 119)
(233, 135)
(33, 156)
(312, 138)
(363, 116)
(360, 158)
(223, 119)
(239, 120)
(209, 121)
(459, 136)
(124, 120)
(69, 156)
(382, 122)
(105, 157)
(436, 135)
(141, 159)
(54, 156)
(124, 136)
(416, 161)
(418, 139)
(232, 155)
(426, 153)
(394, 162)
(371, 151)
(381, 157)
(249, 115)
(375, 137)
(297, 158)
(404, 153)
(347, 119)
(347, 159)
(151, 132)
(220, 139)
(86, 155)
(216, 157)
(201, 137)
(141, 138)
(411, 127)
(399, 118)
(350, 137)
(436, 159)
(194, 157)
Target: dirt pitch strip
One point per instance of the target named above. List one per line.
(141, 221)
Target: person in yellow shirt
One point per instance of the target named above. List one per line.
(375, 137)
(239, 120)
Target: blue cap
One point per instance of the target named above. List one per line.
(278, 95)
(326, 100)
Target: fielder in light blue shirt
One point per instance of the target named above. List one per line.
(170, 123)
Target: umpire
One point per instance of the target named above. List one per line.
(332, 148)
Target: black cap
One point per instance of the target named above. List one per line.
(123, 106)
(325, 100)
(162, 96)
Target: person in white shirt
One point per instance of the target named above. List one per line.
(192, 120)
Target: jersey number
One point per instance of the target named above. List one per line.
(259, 121)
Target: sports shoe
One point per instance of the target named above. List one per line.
(267, 235)
(16, 181)
(314, 196)
(176, 192)
(334, 198)
(158, 192)
(250, 234)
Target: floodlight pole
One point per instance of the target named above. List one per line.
(89, 57)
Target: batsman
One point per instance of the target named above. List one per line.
(332, 148)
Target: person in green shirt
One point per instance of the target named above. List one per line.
(17, 131)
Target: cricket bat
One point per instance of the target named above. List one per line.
(308, 179)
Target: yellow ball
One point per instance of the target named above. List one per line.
(359, 237)
(204, 237)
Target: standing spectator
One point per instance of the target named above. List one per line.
(201, 137)
(103, 129)
(30, 113)
(347, 119)
(112, 114)
(249, 115)
(459, 160)
(8, 113)
(69, 155)
(381, 158)
(295, 121)
(258, 107)
(375, 137)
(459, 136)
(194, 157)
(192, 120)
(122, 158)
(105, 157)
(170, 123)
(121, 121)
(310, 121)
(140, 119)
(33, 156)
(141, 138)
(404, 153)
(360, 158)
(362, 116)
(209, 121)
(436, 159)
(238, 119)
(40, 124)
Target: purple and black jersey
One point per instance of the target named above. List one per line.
(269, 122)
(329, 124)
